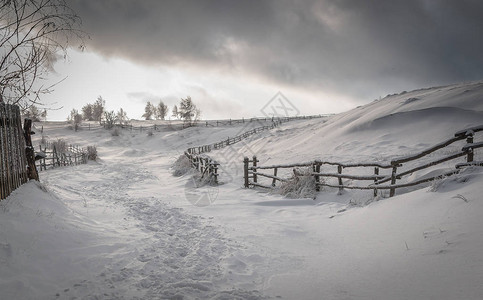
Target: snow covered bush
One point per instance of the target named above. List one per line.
(91, 152)
(115, 132)
(300, 185)
(60, 145)
(181, 166)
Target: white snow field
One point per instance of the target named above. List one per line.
(125, 228)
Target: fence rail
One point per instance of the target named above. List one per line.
(197, 156)
(16, 153)
(275, 122)
(252, 169)
(205, 165)
(53, 156)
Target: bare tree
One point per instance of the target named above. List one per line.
(33, 113)
(149, 111)
(161, 111)
(121, 117)
(75, 117)
(98, 109)
(188, 111)
(175, 112)
(43, 115)
(87, 112)
(33, 35)
(110, 118)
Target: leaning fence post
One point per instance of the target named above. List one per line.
(254, 169)
(376, 172)
(469, 141)
(392, 190)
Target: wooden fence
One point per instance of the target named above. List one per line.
(253, 173)
(58, 154)
(16, 153)
(275, 122)
(205, 165)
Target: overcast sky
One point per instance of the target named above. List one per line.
(232, 57)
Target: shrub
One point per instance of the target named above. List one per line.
(60, 145)
(300, 185)
(115, 132)
(91, 152)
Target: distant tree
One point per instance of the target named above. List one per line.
(121, 117)
(98, 109)
(33, 113)
(149, 111)
(188, 111)
(88, 112)
(175, 112)
(110, 118)
(161, 111)
(75, 117)
(43, 115)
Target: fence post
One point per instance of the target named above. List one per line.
(245, 171)
(316, 169)
(376, 172)
(254, 169)
(275, 175)
(392, 191)
(29, 150)
(469, 140)
(215, 171)
(339, 170)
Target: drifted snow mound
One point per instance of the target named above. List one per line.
(181, 166)
(393, 126)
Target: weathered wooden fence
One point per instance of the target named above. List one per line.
(58, 154)
(198, 159)
(205, 165)
(253, 171)
(16, 154)
(274, 122)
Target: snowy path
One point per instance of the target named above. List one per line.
(155, 250)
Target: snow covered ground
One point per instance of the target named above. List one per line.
(125, 228)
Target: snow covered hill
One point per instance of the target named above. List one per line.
(125, 228)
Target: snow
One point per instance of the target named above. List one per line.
(125, 228)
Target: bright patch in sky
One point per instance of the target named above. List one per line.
(219, 94)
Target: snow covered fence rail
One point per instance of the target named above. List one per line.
(252, 171)
(205, 165)
(214, 123)
(230, 141)
(16, 154)
(58, 154)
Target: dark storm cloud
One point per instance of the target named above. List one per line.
(356, 47)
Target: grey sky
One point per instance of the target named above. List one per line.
(362, 49)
